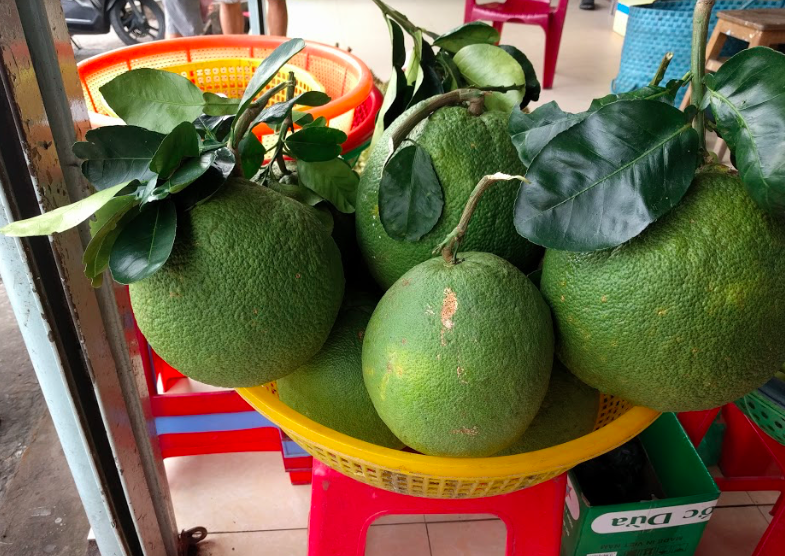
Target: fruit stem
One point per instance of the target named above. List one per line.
(256, 107)
(666, 60)
(700, 30)
(287, 123)
(402, 20)
(429, 107)
(449, 247)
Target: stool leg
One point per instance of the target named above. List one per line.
(552, 42)
(696, 423)
(335, 526)
(773, 540)
(542, 509)
(498, 26)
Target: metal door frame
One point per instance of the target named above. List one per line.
(78, 344)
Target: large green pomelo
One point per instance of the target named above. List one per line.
(329, 388)
(687, 316)
(568, 411)
(457, 357)
(464, 148)
(250, 292)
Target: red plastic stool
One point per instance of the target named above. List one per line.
(751, 461)
(342, 509)
(528, 12)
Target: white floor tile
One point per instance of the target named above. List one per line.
(766, 497)
(397, 540)
(732, 532)
(731, 498)
(393, 519)
(438, 518)
(267, 543)
(765, 511)
(471, 538)
(236, 492)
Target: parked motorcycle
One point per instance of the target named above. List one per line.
(134, 21)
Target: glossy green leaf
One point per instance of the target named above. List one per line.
(268, 69)
(209, 183)
(104, 231)
(182, 142)
(452, 75)
(316, 144)
(747, 97)
(533, 87)
(410, 194)
(154, 99)
(62, 218)
(189, 171)
(397, 95)
(117, 154)
(216, 105)
(251, 154)
(601, 182)
(214, 129)
(531, 132)
(483, 65)
(430, 83)
(412, 71)
(321, 121)
(665, 94)
(475, 32)
(301, 118)
(145, 243)
(333, 180)
(275, 114)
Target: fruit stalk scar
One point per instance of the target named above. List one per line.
(449, 247)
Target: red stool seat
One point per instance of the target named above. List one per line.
(342, 509)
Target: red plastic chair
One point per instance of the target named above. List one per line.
(751, 461)
(342, 509)
(528, 12)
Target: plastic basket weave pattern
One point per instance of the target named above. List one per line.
(341, 75)
(765, 411)
(437, 477)
(666, 25)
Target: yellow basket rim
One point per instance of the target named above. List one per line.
(563, 456)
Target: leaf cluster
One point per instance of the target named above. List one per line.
(178, 149)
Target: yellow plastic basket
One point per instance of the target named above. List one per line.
(437, 477)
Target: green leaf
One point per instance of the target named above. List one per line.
(276, 114)
(268, 69)
(213, 128)
(301, 118)
(533, 87)
(748, 101)
(144, 243)
(412, 72)
(531, 132)
(153, 99)
(321, 121)
(431, 82)
(191, 170)
(62, 218)
(209, 183)
(104, 230)
(452, 75)
(333, 180)
(601, 182)
(216, 105)
(117, 154)
(251, 154)
(410, 194)
(484, 65)
(316, 144)
(475, 32)
(665, 94)
(397, 94)
(182, 142)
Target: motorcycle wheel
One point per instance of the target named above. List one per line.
(133, 30)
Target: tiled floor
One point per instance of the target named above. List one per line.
(246, 501)
(250, 509)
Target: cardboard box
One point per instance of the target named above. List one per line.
(661, 527)
(621, 14)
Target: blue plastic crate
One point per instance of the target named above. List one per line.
(666, 25)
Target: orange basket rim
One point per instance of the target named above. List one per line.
(337, 106)
(561, 456)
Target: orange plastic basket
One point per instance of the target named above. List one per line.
(344, 78)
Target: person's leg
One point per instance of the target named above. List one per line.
(183, 18)
(232, 22)
(277, 17)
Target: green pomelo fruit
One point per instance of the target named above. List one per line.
(249, 293)
(688, 315)
(329, 388)
(568, 411)
(464, 148)
(457, 357)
